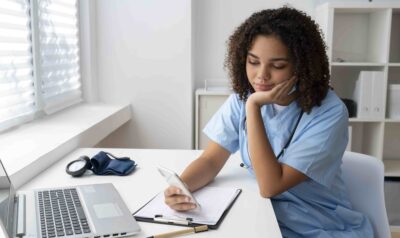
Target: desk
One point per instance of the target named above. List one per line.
(250, 216)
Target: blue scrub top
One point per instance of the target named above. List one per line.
(319, 206)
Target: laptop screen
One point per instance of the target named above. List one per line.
(7, 195)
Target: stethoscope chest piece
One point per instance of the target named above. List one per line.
(243, 165)
(78, 167)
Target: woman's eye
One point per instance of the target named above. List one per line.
(279, 66)
(253, 62)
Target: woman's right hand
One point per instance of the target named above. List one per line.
(176, 200)
(279, 94)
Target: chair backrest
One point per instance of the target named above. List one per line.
(363, 176)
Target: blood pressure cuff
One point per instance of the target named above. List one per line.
(104, 163)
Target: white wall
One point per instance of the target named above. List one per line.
(147, 56)
(214, 22)
(144, 57)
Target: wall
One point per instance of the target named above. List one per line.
(144, 57)
(214, 22)
(155, 53)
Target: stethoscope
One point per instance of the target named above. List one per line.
(283, 149)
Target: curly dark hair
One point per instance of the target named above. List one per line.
(307, 50)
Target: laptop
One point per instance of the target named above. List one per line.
(95, 210)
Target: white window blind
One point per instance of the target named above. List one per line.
(59, 54)
(39, 58)
(17, 97)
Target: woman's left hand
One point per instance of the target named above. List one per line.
(278, 95)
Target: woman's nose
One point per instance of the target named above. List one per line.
(263, 74)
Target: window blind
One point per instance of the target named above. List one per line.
(17, 97)
(59, 54)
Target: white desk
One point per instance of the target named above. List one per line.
(250, 216)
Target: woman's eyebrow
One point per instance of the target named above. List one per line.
(253, 55)
(272, 59)
(279, 59)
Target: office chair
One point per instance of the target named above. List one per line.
(363, 176)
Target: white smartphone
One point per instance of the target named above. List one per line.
(292, 90)
(173, 179)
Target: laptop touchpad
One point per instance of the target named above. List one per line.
(107, 210)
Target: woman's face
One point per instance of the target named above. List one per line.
(268, 63)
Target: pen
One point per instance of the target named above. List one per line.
(171, 220)
(181, 232)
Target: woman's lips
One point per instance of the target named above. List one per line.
(263, 87)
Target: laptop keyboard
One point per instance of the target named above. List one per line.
(61, 213)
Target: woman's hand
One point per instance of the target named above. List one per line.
(176, 200)
(278, 95)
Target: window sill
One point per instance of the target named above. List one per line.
(31, 148)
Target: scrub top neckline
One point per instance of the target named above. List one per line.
(278, 108)
(282, 113)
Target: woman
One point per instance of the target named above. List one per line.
(290, 127)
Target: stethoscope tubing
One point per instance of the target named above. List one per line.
(244, 165)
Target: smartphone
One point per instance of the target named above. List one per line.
(292, 90)
(173, 179)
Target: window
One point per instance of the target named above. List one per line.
(17, 96)
(39, 59)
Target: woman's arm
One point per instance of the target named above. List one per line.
(198, 174)
(204, 169)
(272, 177)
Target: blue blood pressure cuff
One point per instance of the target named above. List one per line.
(103, 163)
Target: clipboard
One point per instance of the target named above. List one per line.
(156, 211)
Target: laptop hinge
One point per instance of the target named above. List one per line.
(21, 215)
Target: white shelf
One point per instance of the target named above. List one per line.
(394, 55)
(360, 35)
(367, 37)
(343, 79)
(394, 75)
(390, 120)
(214, 91)
(207, 103)
(355, 119)
(362, 120)
(362, 64)
(392, 167)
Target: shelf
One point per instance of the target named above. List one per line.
(360, 34)
(394, 54)
(394, 75)
(355, 119)
(362, 64)
(343, 79)
(390, 120)
(395, 229)
(207, 103)
(366, 138)
(392, 167)
(391, 142)
(217, 91)
(366, 37)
